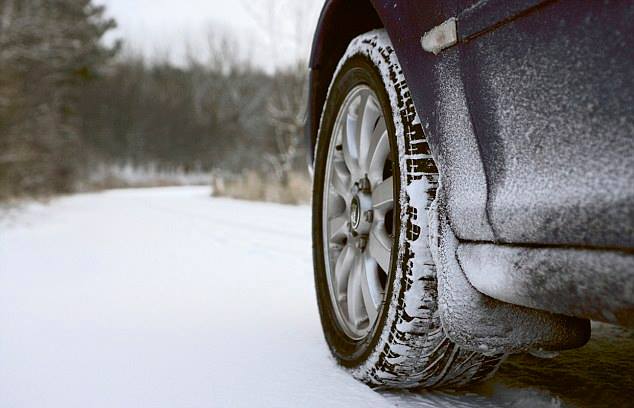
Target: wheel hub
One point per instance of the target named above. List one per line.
(355, 213)
(361, 215)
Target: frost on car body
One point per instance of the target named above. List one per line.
(528, 118)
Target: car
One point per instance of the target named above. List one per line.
(473, 190)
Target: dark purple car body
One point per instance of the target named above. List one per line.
(530, 116)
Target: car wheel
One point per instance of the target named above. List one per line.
(374, 178)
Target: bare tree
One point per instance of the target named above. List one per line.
(287, 112)
(286, 26)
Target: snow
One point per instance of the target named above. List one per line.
(440, 37)
(170, 298)
(163, 298)
(548, 278)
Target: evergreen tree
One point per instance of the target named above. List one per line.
(48, 50)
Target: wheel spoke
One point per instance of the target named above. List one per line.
(360, 113)
(368, 137)
(383, 195)
(356, 306)
(370, 287)
(349, 144)
(337, 228)
(341, 179)
(351, 133)
(378, 152)
(380, 246)
(342, 270)
(336, 204)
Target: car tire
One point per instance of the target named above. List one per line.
(399, 340)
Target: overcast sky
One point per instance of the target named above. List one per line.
(270, 32)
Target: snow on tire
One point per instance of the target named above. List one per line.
(401, 343)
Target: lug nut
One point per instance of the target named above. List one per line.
(364, 184)
(369, 216)
(362, 242)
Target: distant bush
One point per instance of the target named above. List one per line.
(254, 186)
(103, 177)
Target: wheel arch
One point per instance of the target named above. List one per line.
(340, 21)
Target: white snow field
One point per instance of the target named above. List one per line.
(170, 298)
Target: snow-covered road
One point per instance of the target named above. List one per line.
(169, 298)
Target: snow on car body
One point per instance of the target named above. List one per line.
(528, 111)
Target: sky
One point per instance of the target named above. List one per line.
(270, 33)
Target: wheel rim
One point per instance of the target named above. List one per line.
(358, 209)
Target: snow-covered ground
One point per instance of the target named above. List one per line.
(169, 298)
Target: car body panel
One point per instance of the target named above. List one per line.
(480, 16)
(551, 96)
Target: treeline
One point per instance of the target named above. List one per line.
(69, 104)
(204, 116)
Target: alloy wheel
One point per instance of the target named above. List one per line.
(358, 211)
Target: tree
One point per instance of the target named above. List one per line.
(287, 101)
(48, 50)
(287, 110)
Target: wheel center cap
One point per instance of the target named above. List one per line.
(355, 212)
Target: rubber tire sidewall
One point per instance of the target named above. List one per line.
(358, 70)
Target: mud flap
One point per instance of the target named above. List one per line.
(480, 323)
